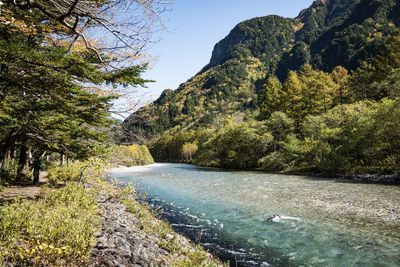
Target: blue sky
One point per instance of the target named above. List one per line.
(194, 27)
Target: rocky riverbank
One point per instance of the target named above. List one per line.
(131, 235)
(122, 242)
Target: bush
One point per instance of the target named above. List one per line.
(189, 150)
(57, 230)
(9, 172)
(239, 146)
(133, 155)
(71, 173)
(275, 161)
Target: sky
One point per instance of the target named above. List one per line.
(193, 27)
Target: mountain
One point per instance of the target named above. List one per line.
(329, 33)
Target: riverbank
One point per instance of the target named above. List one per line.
(390, 179)
(132, 235)
(90, 222)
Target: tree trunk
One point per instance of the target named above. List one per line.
(6, 153)
(30, 157)
(4, 162)
(22, 162)
(4, 159)
(62, 159)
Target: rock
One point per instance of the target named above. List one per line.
(123, 242)
(169, 237)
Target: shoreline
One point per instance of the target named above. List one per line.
(132, 234)
(388, 179)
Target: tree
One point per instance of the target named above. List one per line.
(53, 93)
(308, 92)
(271, 97)
(293, 97)
(280, 126)
(188, 150)
(340, 76)
(379, 77)
(125, 26)
(355, 138)
(237, 146)
(318, 90)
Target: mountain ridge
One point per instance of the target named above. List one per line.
(327, 34)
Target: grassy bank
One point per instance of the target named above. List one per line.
(59, 228)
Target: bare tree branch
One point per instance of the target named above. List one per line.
(123, 27)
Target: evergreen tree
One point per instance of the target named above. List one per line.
(318, 90)
(271, 97)
(52, 92)
(380, 77)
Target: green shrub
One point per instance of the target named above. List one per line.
(133, 155)
(275, 161)
(71, 173)
(9, 172)
(56, 230)
(237, 146)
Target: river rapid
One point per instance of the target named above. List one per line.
(259, 219)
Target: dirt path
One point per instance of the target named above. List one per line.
(23, 191)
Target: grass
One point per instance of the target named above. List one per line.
(56, 230)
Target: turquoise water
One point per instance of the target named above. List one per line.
(259, 219)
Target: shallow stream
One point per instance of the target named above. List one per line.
(259, 219)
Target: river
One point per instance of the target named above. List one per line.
(259, 219)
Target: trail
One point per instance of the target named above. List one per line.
(28, 191)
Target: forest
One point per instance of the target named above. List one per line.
(314, 94)
(337, 123)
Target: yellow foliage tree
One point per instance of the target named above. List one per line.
(188, 150)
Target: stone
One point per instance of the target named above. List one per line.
(123, 242)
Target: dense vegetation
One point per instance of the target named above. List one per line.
(317, 93)
(133, 155)
(57, 230)
(331, 123)
(58, 83)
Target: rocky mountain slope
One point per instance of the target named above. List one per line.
(327, 34)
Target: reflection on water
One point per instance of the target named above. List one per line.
(258, 219)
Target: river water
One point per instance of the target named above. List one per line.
(259, 219)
